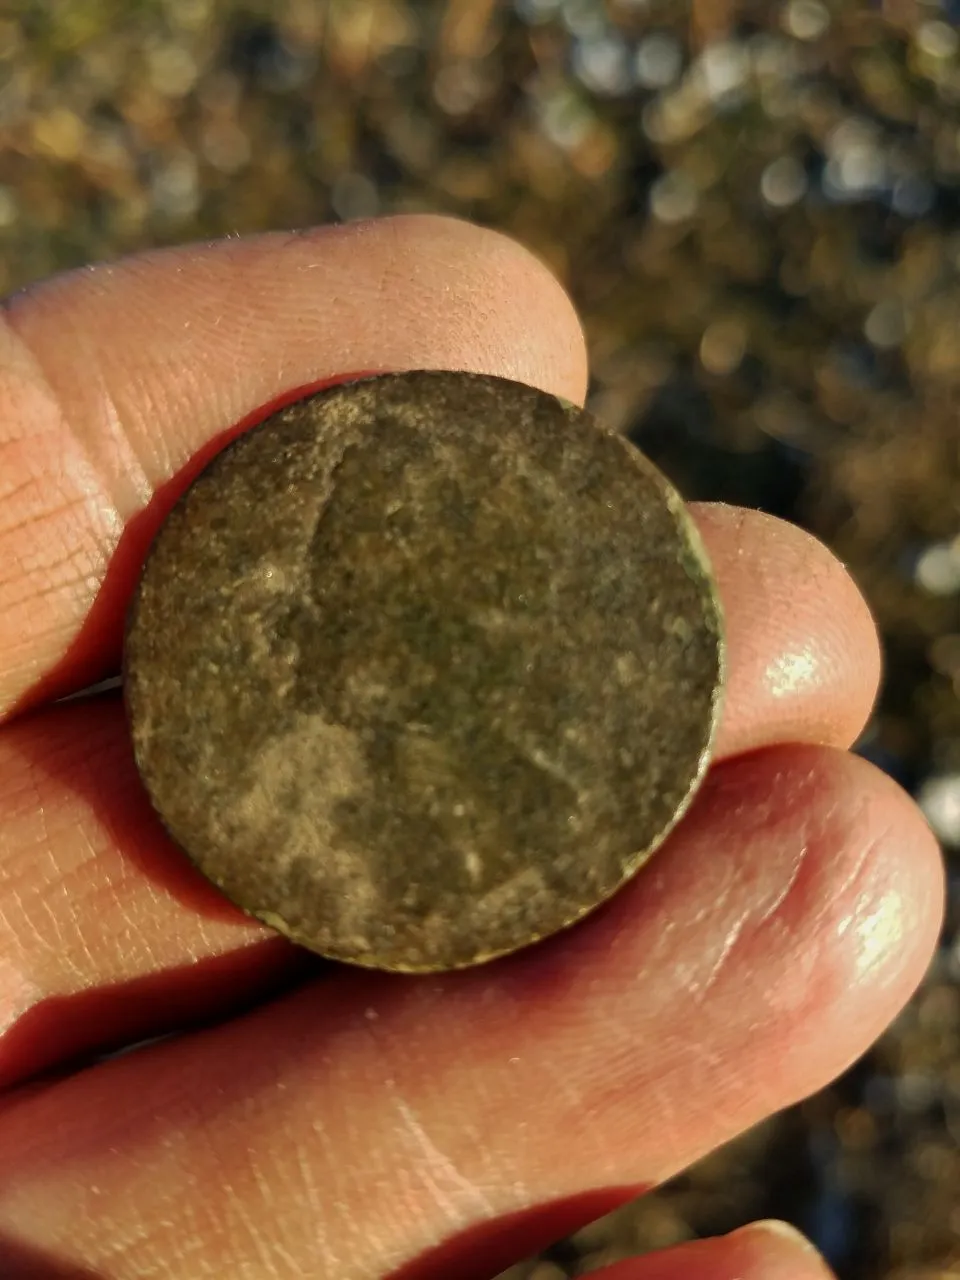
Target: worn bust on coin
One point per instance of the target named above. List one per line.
(423, 668)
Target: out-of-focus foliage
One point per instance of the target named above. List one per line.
(757, 209)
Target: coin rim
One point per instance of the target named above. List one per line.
(695, 562)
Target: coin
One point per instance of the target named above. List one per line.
(423, 668)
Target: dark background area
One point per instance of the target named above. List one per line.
(756, 207)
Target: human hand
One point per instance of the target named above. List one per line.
(350, 1124)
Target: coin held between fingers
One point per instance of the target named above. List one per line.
(423, 668)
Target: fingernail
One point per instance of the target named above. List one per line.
(774, 1227)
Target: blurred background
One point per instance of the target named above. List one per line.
(756, 206)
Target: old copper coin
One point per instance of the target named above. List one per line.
(423, 668)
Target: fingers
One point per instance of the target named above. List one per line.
(779, 930)
(104, 903)
(803, 657)
(761, 1251)
(114, 379)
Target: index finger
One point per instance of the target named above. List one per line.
(118, 382)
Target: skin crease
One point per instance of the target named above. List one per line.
(355, 1123)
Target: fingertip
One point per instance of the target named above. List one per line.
(803, 652)
(472, 297)
(774, 1247)
(519, 321)
(767, 1250)
(898, 912)
(848, 893)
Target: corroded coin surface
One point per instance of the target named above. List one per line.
(423, 668)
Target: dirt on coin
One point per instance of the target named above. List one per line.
(423, 668)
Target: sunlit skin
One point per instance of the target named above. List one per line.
(345, 1124)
